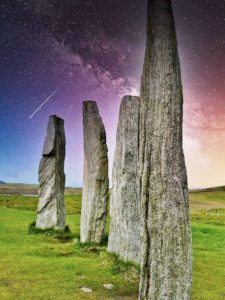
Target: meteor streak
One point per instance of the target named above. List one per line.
(46, 100)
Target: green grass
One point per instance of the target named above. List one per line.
(42, 266)
(73, 203)
(209, 261)
(48, 266)
(208, 230)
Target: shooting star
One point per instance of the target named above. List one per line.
(53, 93)
(46, 100)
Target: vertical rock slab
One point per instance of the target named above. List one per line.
(96, 183)
(166, 254)
(125, 227)
(51, 208)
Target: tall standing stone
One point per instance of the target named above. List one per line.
(96, 183)
(51, 208)
(125, 227)
(166, 254)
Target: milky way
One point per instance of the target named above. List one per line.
(97, 47)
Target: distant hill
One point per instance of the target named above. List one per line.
(212, 189)
(29, 189)
(215, 189)
(32, 189)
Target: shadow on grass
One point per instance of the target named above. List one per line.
(121, 266)
(63, 235)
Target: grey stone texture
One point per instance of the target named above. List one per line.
(51, 208)
(166, 270)
(125, 208)
(96, 182)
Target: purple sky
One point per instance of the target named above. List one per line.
(96, 48)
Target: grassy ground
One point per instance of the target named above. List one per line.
(208, 228)
(41, 266)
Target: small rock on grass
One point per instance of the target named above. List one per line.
(108, 286)
(86, 290)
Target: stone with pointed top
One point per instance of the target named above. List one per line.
(51, 208)
(96, 183)
(166, 254)
(125, 206)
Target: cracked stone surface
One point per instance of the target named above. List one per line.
(166, 254)
(96, 182)
(125, 206)
(51, 208)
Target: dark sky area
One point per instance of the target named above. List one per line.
(94, 50)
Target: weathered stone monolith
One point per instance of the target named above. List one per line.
(166, 254)
(51, 208)
(95, 183)
(125, 227)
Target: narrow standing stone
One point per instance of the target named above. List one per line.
(96, 183)
(125, 227)
(51, 208)
(166, 254)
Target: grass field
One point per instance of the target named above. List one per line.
(38, 266)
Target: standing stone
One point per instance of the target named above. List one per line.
(166, 254)
(124, 236)
(51, 208)
(96, 183)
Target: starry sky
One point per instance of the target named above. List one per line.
(80, 50)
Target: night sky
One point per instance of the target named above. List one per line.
(95, 50)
